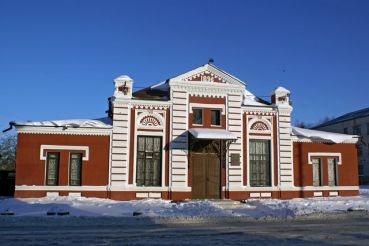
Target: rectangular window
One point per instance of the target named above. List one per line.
(345, 130)
(215, 117)
(260, 166)
(197, 116)
(317, 172)
(332, 171)
(52, 168)
(75, 169)
(148, 161)
(356, 130)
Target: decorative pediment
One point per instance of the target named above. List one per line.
(205, 76)
(208, 73)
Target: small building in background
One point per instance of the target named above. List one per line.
(356, 123)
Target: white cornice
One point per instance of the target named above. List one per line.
(62, 131)
(206, 88)
(259, 110)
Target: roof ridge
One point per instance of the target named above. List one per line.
(344, 117)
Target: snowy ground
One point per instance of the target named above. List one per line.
(316, 221)
(254, 208)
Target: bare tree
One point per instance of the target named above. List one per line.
(7, 152)
(302, 124)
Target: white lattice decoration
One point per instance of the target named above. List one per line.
(205, 76)
(150, 120)
(260, 125)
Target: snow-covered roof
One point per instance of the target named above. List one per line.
(123, 77)
(161, 86)
(349, 116)
(72, 123)
(321, 135)
(251, 99)
(280, 89)
(206, 133)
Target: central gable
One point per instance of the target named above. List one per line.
(205, 76)
(210, 74)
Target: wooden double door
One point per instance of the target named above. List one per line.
(206, 173)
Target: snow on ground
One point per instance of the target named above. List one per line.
(253, 208)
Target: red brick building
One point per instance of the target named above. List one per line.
(198, 135)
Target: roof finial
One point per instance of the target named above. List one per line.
(211, 61)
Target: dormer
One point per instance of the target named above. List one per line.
(123, 86)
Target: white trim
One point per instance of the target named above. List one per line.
(224, 76)
(143, 189)
(161, 134)
(64, 147)
(250, 137)
(149, 114)
(62, 131)
(263, 120)
(324, 154)
(61, 188)
(207, 105)
(297, 188)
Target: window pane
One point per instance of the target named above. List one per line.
(148, 171)
(149, 144)
(75, 169)
(260, 163)
(332, 172)
(357, 130)
(316, 172)
(197, 116)
(52, 170)
(140, 176)
(141, 143)
(215, 117)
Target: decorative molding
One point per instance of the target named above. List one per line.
(311, 155)
(62, 131)
(205, 76)
(148, 105)
(211, 70)
(60, 188)
(207, 105)
(260, 125)
(206, 88)
(259, 111)
(64, 147)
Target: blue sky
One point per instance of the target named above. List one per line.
(58, 58)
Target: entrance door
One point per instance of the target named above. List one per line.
(205, 175)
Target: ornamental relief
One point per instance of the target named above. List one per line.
(260, 125)
(206, 76)
(150, 120)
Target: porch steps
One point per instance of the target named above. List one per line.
(228, 204)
